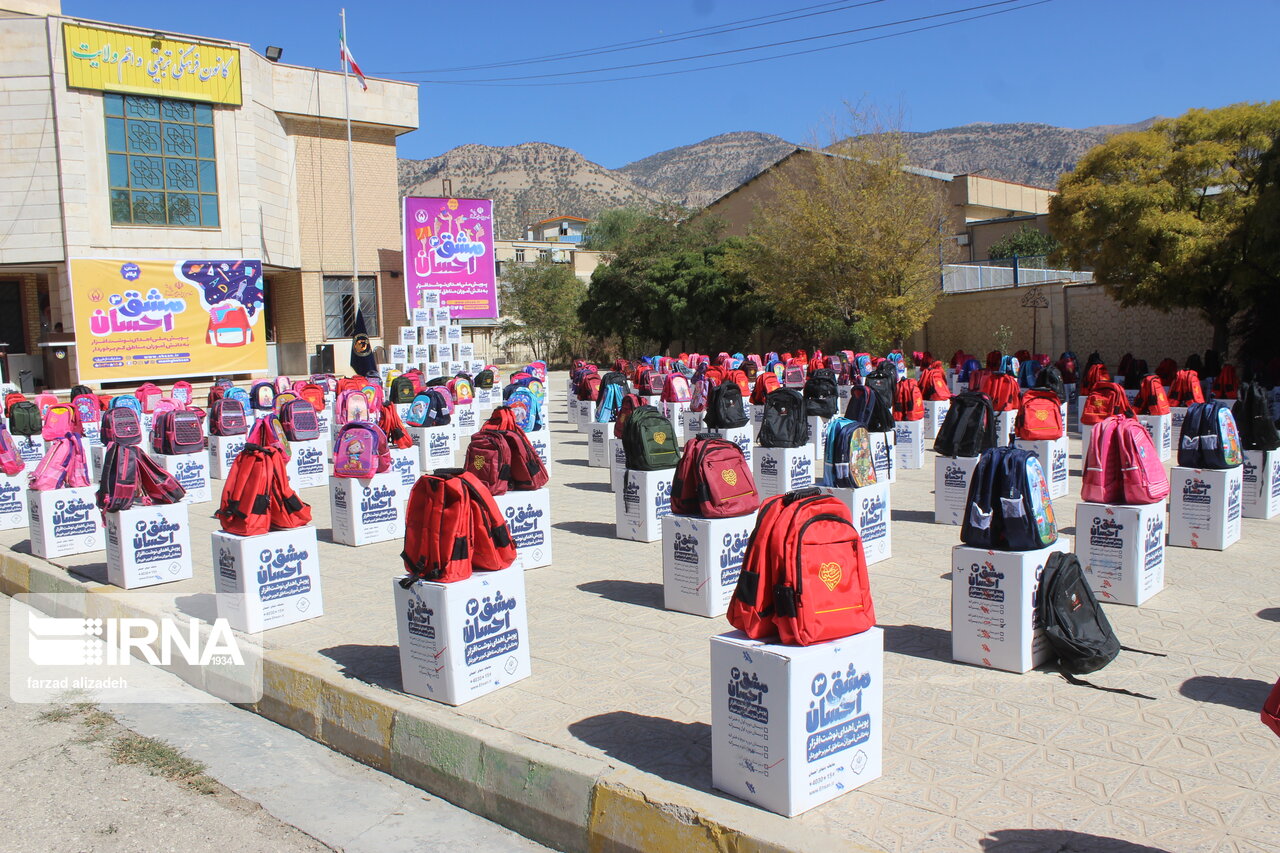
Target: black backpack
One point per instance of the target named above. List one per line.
(613, 377)
(786, 421)
(1050, 379)
(969, 428)
(648, 440)
(820, 393)
(1008, 508)
(884, 381)
(403, 390)
(1074, 624)
(484, 379)
(24, 418)
(869, 409)
(1252, 412)
(1135, 374)
(77, 390)
(724, 407)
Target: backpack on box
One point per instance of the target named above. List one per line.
(182, 393)
(793, 376)
(64, 465)
(428, 409)
(452, 527)
(121, 426)
(241, 396)
(1050, 379)
(1074, 623)
(1106, 399)
(352, 407)
(766, 383)
(313, 394)
(1134, 374)
(393, 428)
(1008, 504)
(527, 410)
(257, 497)
(177, 433)
(724, 408)
(218, 390)
(484, 379)
(1252, 412)
(60, 420)
(403, 390)
(461, 390)
(513, 465)
(675, 389)
(1226, 384)
(360, 451)
(701, 392)
(15, 397)
(908, 401)
(45, 401)
(1028, 372)
(869, 409)
(227, 418)
(739, 378)
(969, 427)
(262, 397)
(609, 403)
(1167, 370)
(1009, 366)
(131, 477)
(24, 419)
(848, 463)
(713, 480)
(628, 405)
(299, 421)
(283, 383)
(1151, 399)
(87, 408)
(821, 397)
(148, 394)
(1122, 466)
(1096, 372)
(786, 420)
(804, 574)
(1209, 438)
(649, 441)
(1185, 390)
(884, 381)
(1039, 416)
(10, 458)
(933, 383)
(1003, 391)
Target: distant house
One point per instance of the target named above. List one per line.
(557, 229)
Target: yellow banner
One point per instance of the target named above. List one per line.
(167, 319)
(113, 61)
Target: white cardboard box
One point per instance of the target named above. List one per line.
(31, 449)
(1054, 456)
(466, 420)
(366, 511)
(435, 446)
(935, 412)
(1177, 415)
(600, 445)
(1204, 507)
(692, 423)
(756, 413)
(793, 727)
(63, 522)
(573, 407)
(908, 439)
(13, 501)
(148, 545)
(453, 334)
(267, 581)
(674, 412)
(407, 466)
(884, 456)
(1086, 436)
(618, 466)
(307, 466)
(1004, 428)
(1121, 549)
(97, 456)
(1260, 484)
(92, 433)
(541, 441)
(951, 487)
(1073, 405)
(869, 507)
(1160, 428)
(701, 561)
(741, 436)
(191, 470)
(223, 450)
(818, 438)
(641, 502)
(993, 606)
(778, 470)
(460, 641)
(528, 517)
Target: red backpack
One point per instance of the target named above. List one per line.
(740, 379)
(1151, 399)
(767, 381)
(1095, 373)
(504, 460)
(1003, 390)
(1106, 399)
(804, 575)
(589, 387)
(933, 383)
(625, 408)
(452, 526)
(131, 477)
(1167, 370)
(1039, 416)
(1271, 709)
(397, 436)
(313, 394)
(257, 497)
(148, 395)
(675, 389)
(713, 480)
(908, 401)
(1226, 385)
(1185, 389)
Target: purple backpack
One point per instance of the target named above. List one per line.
(360, 451)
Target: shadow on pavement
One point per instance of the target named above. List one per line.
(591, 487)
(1059, 841)
(376, 665)
(677, 752)
(588, 528)
(918, 641)
(1247, 694)
(580, 462)
(96, 572)
(1270, 613)
(582, 443)
(627, 592)
(917, 515)
(202, 605)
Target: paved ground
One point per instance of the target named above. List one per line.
(974, 758)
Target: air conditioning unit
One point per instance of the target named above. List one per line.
(962, 239)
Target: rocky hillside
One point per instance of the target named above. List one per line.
(696, 175)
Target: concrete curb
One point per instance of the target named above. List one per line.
(558, 798)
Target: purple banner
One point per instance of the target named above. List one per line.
(448, 248)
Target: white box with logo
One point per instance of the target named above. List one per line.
(869, 508)
(701, 561)
(223, 450)
(97, 456)
(541, 441)
(434, 445)
(63, 522)
(951, 487)
(453, 334)
(883, 454)
(466, 419)
(92, 434)
(528, 517)
(617, 465)
(818, 438)
(31, 449)
(793, 727)
(430, 337)
(433, 369)
(692, 423)
(366, 511)
(908, 440)
(1004, 428)
(1160, 428)
(406, 465)
(756, 414)
(1121, 549)
(460, 641)
(674, 412)
(307, 466)
(408, 336)
(399, 354)
(13, 501)
(642, 500)
(1054, 455)
(1260, 479)
(191, 470)
(466, 352)
(599, 445)
(1205, 507)
(573, 409)
(267, 581)
(935, 412)
(741, 436)
(993, 606)
(1177, 414)
(778, 470)
(455, 367)
(148, 545)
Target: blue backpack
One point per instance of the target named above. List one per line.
(1209, 437)
(968, 367)
(1008, 505)
(610, 401)
(427, 409)
(528, 409)
(1028, 373)
(126, 401)
(239, 395)
(1009, 365)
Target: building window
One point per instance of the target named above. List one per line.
(519, 256)
(161, 162)
(564, 230)
(544, 254)
(339, 306)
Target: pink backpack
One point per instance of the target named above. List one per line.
(360, 451)
(794, 376)
(63, 467)
(60, 420)
(10, 459)
(163, 406)
(676, 389)
(45, 401)
(181, 393)
(1102, 482)
(448, 397)
(87, 408)
(148, 395)
(698, 396)
(227, 418)
(373, 393)
(352, 407)
(283, 383)
(1142, 472)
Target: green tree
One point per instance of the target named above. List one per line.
(1169, 217)
(610, 228)
(541, 301)
(1026, 242)
(852, 243)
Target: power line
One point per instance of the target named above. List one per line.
(736, 50)
(668, 38)
(747, 61)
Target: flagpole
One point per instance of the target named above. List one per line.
(351, 165)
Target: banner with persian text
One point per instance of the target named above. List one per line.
(448, 248)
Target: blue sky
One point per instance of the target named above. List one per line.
(1074, 63)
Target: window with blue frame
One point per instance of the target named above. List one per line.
(161, 160)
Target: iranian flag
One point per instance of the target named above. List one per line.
(345, 54)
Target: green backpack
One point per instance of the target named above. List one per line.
(24, 419)
(649, 440)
